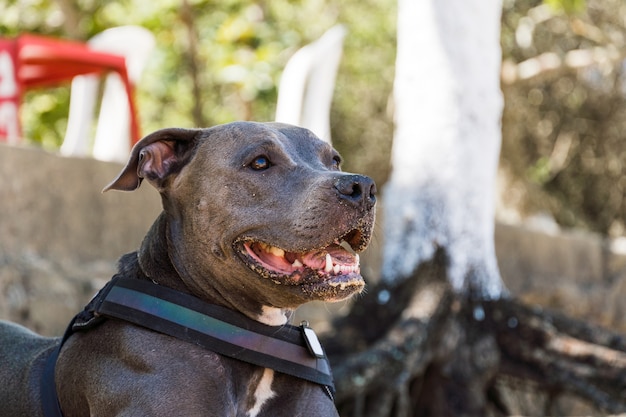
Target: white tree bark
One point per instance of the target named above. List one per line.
(447, 141)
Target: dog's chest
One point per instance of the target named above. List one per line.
(272, 394)
(260, 392)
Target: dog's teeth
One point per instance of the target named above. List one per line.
(297, 264)
(329, 263)
(346, 246)
(272, 249)
(357, 260)
(276, 251)
(337, 269)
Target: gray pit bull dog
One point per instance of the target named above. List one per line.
(257, 218)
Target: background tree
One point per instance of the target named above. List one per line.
(439, 217)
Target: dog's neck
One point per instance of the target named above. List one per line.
(154, 263)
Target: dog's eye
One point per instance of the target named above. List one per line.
(260, 163)
(336, 162)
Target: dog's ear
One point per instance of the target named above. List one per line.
(155, 158)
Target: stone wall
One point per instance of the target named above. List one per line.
(580, 274)
(60, 238)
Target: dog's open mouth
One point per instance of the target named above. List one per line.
(335, 266)
(334, 259)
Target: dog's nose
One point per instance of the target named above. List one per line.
(357, 189)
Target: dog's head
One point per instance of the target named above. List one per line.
(260, 213)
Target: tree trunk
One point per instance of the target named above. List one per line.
(447, 142)
(441, 191)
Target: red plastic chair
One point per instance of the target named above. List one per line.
(30, 61)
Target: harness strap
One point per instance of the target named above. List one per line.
(48, 388)
(288, 349)
(158, 308)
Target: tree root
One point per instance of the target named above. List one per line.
(437, 353)
(560, 353)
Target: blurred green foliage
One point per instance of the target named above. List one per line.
(568, 6)
(220, 60)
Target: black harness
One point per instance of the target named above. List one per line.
(292, 350)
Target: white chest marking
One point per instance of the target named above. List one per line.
(272, 316)
(263, 392)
